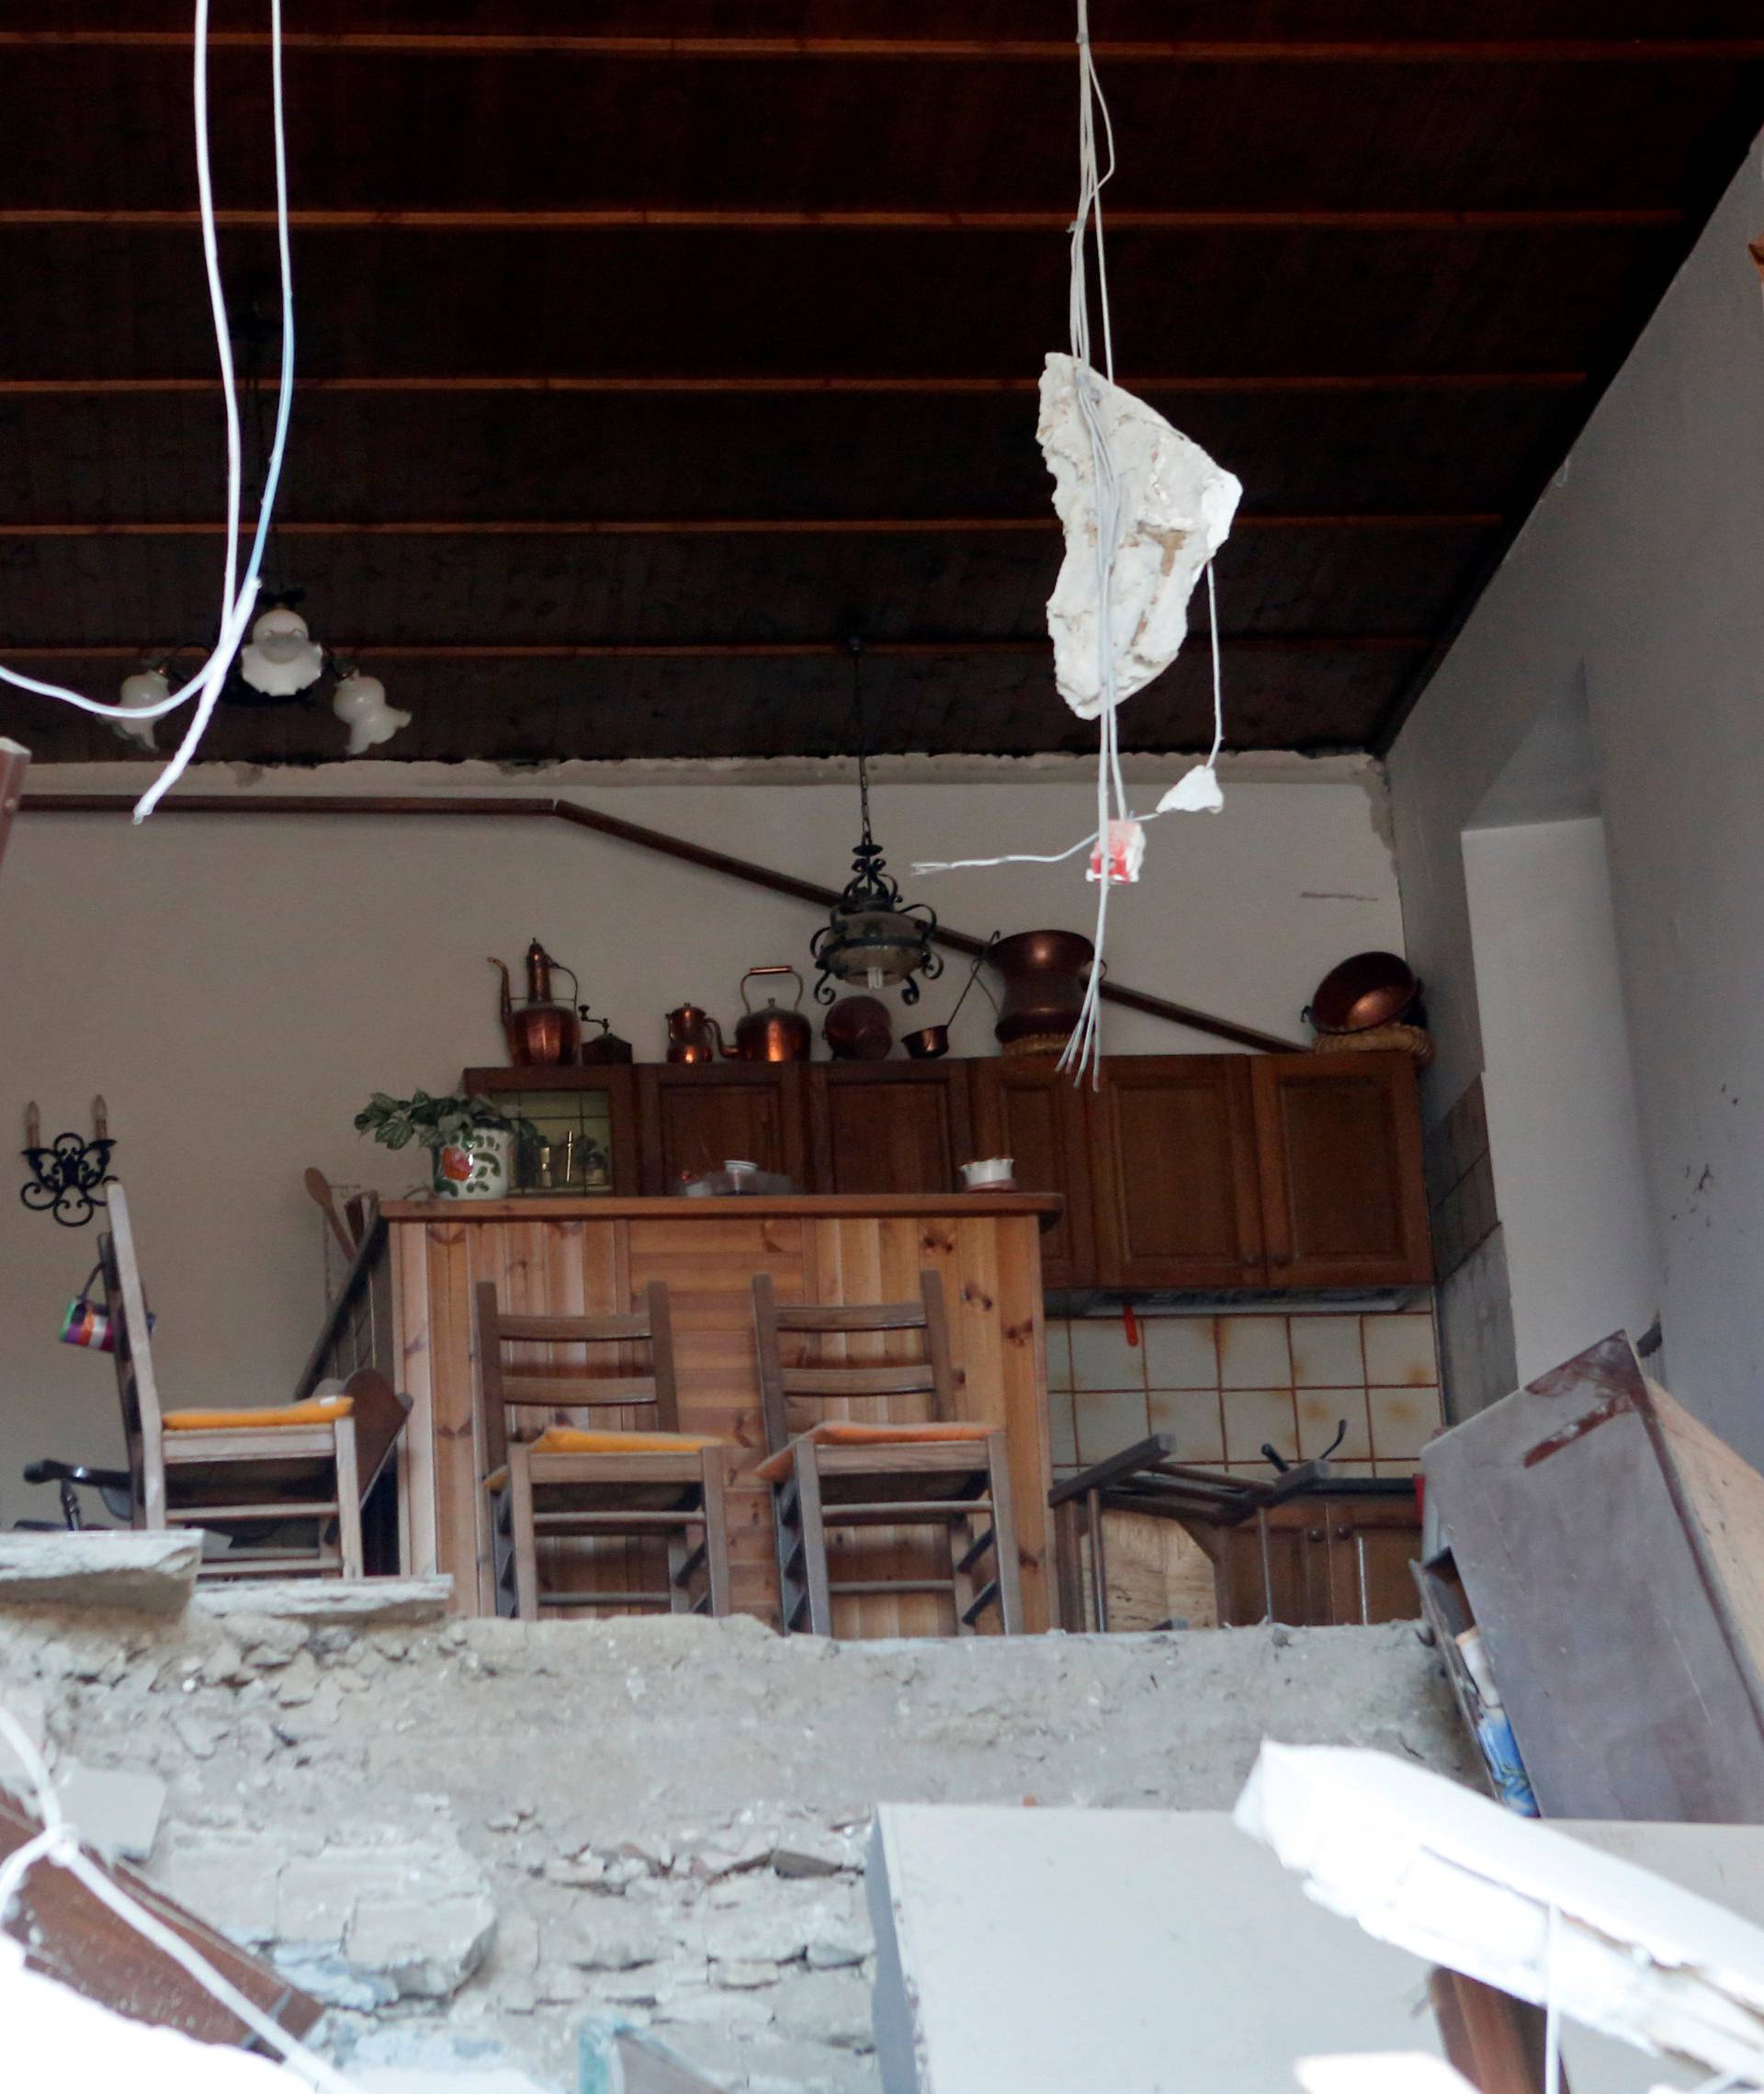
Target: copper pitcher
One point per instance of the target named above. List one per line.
(541, 1033)
(693, 1034)
(771, 1035)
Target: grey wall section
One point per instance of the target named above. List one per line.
(1643, 568)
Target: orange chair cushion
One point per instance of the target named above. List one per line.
(575, 1439)
(843, 1433)
(315, 1410)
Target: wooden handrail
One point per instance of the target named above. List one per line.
(656, 839)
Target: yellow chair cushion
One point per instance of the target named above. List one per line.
(315, 1410)
(575, 1439)
(843, 1432)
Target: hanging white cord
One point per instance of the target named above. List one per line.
(236, 602)
(1552, 2013)
(58, 1843)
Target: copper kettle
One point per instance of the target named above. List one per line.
(771, 1035)
(541, 1033)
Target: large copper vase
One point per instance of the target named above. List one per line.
(1045, 974)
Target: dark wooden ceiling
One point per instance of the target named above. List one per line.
(650, 348)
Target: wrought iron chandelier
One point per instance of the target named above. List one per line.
(872, 937)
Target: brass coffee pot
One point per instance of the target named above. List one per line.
(541, 1033)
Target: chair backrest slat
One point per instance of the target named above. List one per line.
(824, 1381)
(508, 1386)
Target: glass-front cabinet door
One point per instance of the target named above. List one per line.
(578, 1136)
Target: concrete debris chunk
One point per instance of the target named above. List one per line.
(1175, 506)
(150, 1573)
(116, 1809)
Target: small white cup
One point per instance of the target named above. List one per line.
(988, 1170)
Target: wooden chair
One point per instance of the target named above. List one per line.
(841, 1473)
(618, 1483)
(241, 1471)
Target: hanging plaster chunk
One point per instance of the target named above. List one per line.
(1173, 508)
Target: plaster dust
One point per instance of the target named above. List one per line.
(468, 1838)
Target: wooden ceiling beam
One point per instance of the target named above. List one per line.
(721, 526)
(645, 218)
(1159, 51)
(828, 384)
(742, 650)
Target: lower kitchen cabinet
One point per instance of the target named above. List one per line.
(1031, 1111)
(694, 1117)
(889, 1126)
(1331, 1561)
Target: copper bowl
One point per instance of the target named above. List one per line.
(858, 1028)
(1371, 989)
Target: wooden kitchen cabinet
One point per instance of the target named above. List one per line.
(693, 1116)
(1338, 1157)
(1173, 1153)
(1333, 1561)
(1028, 1109)
(887, 1126)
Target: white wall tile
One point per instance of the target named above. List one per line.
(1182, 1351)
(1327, 1352)
(1399, 1353)
(1108, 1420)
(1101, 1358)
(1059, 1353)
(1403, 1421)
(1254, 1352)
(1253, 1414)
(1192, 1417)
(1062, 1435)
(1320, 1411)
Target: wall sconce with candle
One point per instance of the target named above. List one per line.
(67, 1178)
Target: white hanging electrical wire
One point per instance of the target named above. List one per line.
(58, 1843)
(238, 594)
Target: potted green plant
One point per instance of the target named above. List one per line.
(471, 1140)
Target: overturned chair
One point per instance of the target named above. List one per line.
(644, 1482)
(939, 1471)
(283, 1485)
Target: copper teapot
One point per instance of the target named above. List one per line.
(541, 1033)
(771, 1035)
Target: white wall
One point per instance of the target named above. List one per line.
(1564, 1140)
(237, 988)
(1643, 569)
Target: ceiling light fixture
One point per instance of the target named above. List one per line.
(872, 936)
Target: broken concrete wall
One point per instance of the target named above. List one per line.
(473, 1836)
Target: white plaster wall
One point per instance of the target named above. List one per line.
(236, 989)
(1643, 568)
(1564, 1140)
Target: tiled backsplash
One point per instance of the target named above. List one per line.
(1223, 1385)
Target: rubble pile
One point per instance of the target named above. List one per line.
(465, 1838)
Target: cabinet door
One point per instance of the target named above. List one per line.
(1172, 1147)
(694, 1118)
(889, 1126)
(1370, 1544)
(1027, 1110)
(1339, 1137)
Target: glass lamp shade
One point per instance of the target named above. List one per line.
(145, 687)
(359, 702)
(879, 947)
(281, 657)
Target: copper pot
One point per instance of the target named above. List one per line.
(1371, 989)
(858, 1028)
(1045, 974)
(771, 1035)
